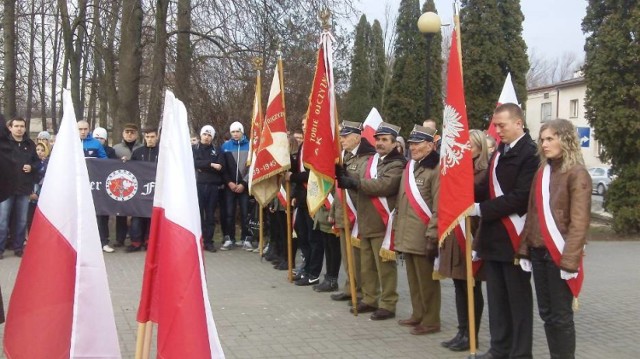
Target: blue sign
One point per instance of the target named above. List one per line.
(584, 136)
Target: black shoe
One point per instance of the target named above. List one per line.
(448, 343)
(118, 244)
(461, 345)
(340, 297)
(299, 275)
(328, 285)
(210, 248)
(487, 355)
(133, 248)
(284, 265)
(307, 280)
(18, 253)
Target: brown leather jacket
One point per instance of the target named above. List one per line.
(570, 196)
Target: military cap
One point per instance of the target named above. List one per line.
(421, 133)
(348, 127)
(387, 129)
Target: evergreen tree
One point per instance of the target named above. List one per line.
(358, 103)
(404, 100)
(378, 65)
(612, 72)
(434, 59)
(482, 53)
(516, 60)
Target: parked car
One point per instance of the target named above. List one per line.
(600, 179)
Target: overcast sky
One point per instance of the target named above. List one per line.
(551, 27)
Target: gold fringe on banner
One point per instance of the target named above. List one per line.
(387, 255)
(355, 242)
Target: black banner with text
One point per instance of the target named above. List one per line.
(122, 188)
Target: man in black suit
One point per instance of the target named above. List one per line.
(502, 207)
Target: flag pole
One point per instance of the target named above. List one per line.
(140, 340)
(148, 334)
(470, 283)
(289, 239)
(456, 24)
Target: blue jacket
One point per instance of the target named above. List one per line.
(93, 147)
(235, 168)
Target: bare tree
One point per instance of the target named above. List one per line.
(159, 63)
(546, 71)
(9, 40)
(130, 61)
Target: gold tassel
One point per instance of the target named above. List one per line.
(355, 242)
(387, 255)
(575, 305)
(437, 276)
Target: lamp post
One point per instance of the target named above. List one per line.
(428, 24)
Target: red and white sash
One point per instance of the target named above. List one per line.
(461, 236)
(413, 194)
(282, 196)
(549, 230)
(382, 207)
(352, 213)
(514, 223)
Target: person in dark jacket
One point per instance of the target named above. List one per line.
(236, 176)
(91, 146)
(100, 134)
(208, 163)
(26, 161)
(139, 229)
(503, 209)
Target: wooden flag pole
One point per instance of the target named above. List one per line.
(289, 240)
(350, 264)
(261, 241)
(470, 283)
(140, 339)
(148, 334)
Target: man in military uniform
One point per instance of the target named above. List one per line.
(355, 154)
(377, 186)
(416, 230)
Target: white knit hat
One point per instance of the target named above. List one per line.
(100, 132)
(236, 126)
(209, 130)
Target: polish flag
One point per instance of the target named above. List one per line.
(508, 95)
(60, 306)
(174, 289)
(370, 125)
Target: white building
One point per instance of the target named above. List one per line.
(564, 100)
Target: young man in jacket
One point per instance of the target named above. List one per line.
(502, 214)
(100, 134)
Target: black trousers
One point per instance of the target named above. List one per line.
(304, 227)
(332, 255)
(510, 310)
(316, 256)
(103, 229)
(139, 230)
(462, 308)
(554, 305)
(207, 202)
(122, 228)
(278, 234)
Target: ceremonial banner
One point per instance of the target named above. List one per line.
(456, 163)
(256, 125)
(122, 188)
(174, 290)
(272, 155)
(321, 151)
(370, 125)
(60, 306)
(508, 95)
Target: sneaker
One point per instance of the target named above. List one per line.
(227, 245)
(328, 285)
(133, 248)
(307, 280)
(18, 253)
(247, 246)
(210, 247)
(238, 244)
(107, 249)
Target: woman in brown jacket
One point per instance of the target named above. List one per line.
(555, 232)
(452, 261)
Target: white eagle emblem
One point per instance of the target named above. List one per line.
(451, 151)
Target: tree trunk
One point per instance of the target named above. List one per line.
(73, 49)
(43, 68)
(54, 79)
(183, 52)
(9, 38)
(130, 61)
(159, 64)
(32, 61)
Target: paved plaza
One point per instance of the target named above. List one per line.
(260, 315)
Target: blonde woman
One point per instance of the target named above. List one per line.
(452, 260)
(555, 232)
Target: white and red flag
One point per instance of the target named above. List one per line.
(256, 125)
(370, 125)
(456, 163)
(174, 290)
(508, 95)
(321, 147)
(272, 156)
(60, 306)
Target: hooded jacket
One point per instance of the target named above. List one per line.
(24, 153)
(203, 157)
(235, 167)
(93, 148)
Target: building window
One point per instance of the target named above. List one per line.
(545, 111)
(573, 108)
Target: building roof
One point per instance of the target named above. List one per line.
(577, 81)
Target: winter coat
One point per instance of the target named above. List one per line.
(353, 166)
(570, 203)
(386, 184)
(203, 157)
(515, 172)
(125, 149)
(9, 172)
(299, 180)
(235, 167)
(411, 234)
(452, 262)
(93, 148)
(24, 153)
(148, 154)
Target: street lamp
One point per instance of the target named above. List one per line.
(428, 24)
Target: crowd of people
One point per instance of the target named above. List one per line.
(523, 192)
